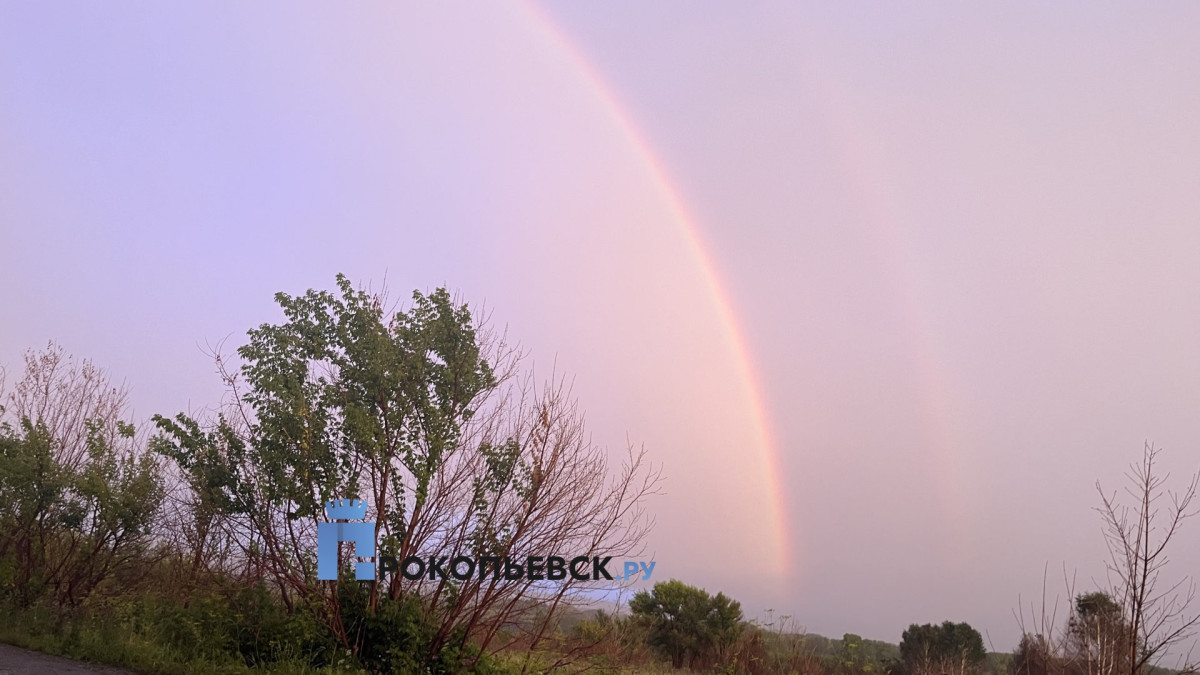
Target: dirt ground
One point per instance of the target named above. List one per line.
(14, 661)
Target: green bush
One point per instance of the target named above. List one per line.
(397, 637)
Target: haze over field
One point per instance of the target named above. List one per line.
(885, 293)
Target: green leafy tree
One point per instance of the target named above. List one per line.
(946, 648)
(421, 414)
(850, 655)
(685, 622)
(78, 493)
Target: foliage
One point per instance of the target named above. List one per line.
(150, 634)
(192, 551)
(78, 495)
(417, 413)
(946, 648)
(685, 622)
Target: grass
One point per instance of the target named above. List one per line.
(103, 640)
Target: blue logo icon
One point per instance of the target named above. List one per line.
(362, 535)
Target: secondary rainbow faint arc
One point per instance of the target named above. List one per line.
(724, 306)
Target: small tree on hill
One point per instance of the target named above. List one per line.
(685, 622)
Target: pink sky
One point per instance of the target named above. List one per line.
(884, 292)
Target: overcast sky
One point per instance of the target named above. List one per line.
(885, 292)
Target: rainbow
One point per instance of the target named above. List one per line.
(935, 386)
(768, 455)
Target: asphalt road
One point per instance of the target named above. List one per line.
(14, 661)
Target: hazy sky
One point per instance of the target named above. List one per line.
(885, 292)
